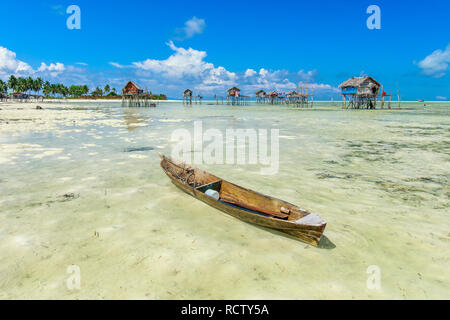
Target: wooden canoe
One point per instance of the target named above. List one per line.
(245, 204)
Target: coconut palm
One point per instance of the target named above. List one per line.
(38, 85)
(3, 87)
(53, 89)
(12, 83)
(107, 89)
(22, 85)
(97, 92)
(29, 84)
(46, 88)
(85, 90)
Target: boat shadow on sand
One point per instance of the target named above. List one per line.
(324, 243)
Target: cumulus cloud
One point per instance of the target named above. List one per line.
(249, 73)
(191, 28)
(53, 69)
(307, 76)
(184, 68)
(9, 64)
(54, 72)
(282, 80)
(188, 66)
(436, 64)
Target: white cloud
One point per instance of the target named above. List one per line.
(9, 64)
(282, 80)
(308, 75)
(117, 65)
(263, 72)
(441, 98)
(249, 73)
(269, 80)
(191, 28)
(53, 69)
(54, 72)
(84, 64)
(184, 68)
(188, 66)
(436, 64)
(194, 26)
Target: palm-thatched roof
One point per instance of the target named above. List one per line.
(260, 93)
(187, 92)
(356, 82)
(233, 89)
(132, 87)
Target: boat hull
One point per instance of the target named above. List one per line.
(310, 234)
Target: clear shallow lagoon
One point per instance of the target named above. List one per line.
(380, 179)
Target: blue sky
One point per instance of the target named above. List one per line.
(167, 46)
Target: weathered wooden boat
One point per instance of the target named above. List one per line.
(245, 204)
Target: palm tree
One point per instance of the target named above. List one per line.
(29, 84)
(12, 83)
(38, 85)
(107, 89)
(85, 90)
(53, 89)
(97, 92)
(3, 87)
(46, 88)
(63, 90)
(21, 84)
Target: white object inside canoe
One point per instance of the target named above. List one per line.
(213, 194)
(311, 219)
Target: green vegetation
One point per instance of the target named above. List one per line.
(3, 87)
(24, 84)
(97, 92)
(55, 90)
(78, 91)
(58, 90)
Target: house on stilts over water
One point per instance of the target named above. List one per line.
(187, 96)
(360, 93)
(234, 96)
(134, 96)
(260, 96)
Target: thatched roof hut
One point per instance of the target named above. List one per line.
(272, 94)
(187, 93)
(233, 92)
(132, 88)
(361, 86)
(260, 93)
(292, 94)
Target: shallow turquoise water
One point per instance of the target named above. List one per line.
(380, 179)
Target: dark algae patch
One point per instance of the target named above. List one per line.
(140, 149)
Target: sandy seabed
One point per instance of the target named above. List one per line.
(80, 184)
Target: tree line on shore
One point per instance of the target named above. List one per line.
(58, 90)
